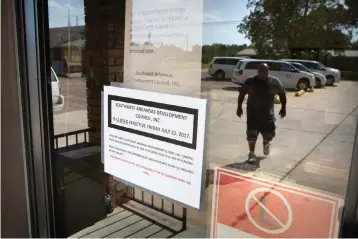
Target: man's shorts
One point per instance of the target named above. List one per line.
(255, 127)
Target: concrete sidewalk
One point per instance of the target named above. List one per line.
(70, 121)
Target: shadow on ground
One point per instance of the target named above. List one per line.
(246, 166)
(208, 79)
(214, 80)
(231, 88)
(241, 166)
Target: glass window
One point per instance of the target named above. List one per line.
(275, 66)
(313, 66)
(299, 67)
(306, 64)
(321, 65)
(220, 61)
(284, 67)
(232, 62)
(288, 182)
(239, 64)
(226, 61)
(252, 65)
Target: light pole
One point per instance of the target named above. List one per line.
(69, 44)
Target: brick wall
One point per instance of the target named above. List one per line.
(103, 60)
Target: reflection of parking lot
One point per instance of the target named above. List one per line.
(313, 146)
(314, 142)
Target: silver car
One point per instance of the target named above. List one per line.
(320, 78)
(332, 75)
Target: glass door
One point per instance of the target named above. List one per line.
(291, 183)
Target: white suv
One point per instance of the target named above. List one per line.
(222, 67)
(57, 98)
(290, 77)
(332, 75)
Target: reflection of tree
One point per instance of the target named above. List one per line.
(181, 55)
(207, 51)
(217, 49)
(352, 11)
(277, 27)
(355, 45)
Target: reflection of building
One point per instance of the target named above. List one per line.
(250, 52)
(63, 38)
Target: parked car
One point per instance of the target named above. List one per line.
(320, 79)
(332, 75)
(57, 99)
(222, 67)
(290, 77)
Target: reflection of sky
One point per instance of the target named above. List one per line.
(221, 18)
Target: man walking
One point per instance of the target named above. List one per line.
(261, 90)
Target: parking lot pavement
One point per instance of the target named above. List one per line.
(314, 143)
(313, 146)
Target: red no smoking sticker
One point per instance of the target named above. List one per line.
(245, 206)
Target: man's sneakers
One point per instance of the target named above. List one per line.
(252, 158)
(266, 149)
(252, 155)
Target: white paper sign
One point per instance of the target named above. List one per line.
(163, 45)
(155, 141)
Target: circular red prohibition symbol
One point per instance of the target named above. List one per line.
(254, 196)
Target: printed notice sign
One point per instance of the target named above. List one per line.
(154, 141)
(163, 45)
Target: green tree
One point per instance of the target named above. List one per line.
(275, 27)
(217, 49)
(354, 45)
(352, 11)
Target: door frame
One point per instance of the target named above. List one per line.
(35, 83)
(15, 206)
(35, 89)
(349, 221)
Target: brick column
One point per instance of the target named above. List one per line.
(103, 58)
